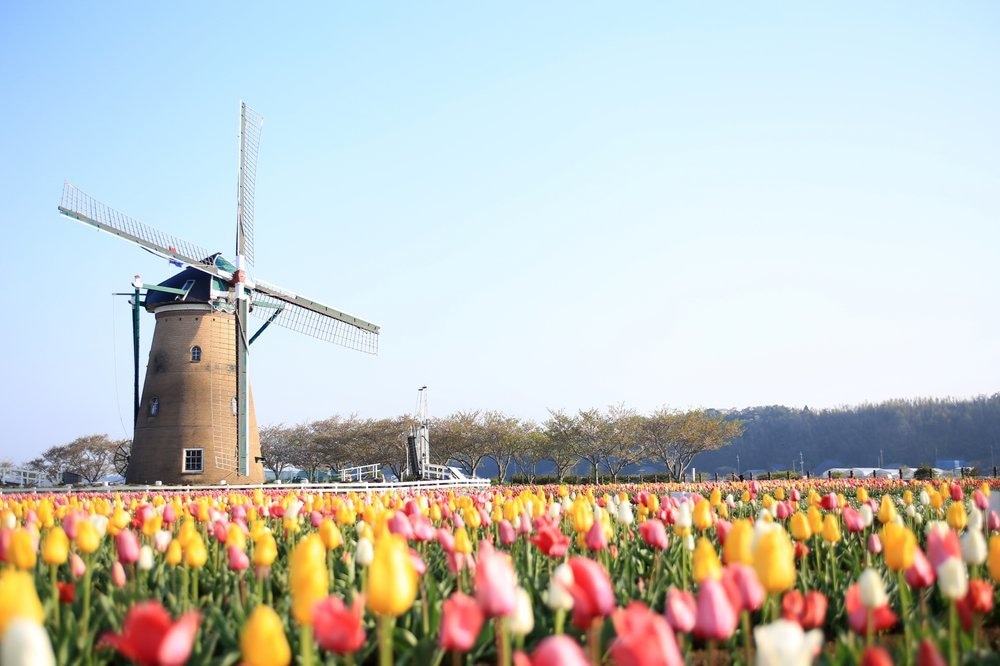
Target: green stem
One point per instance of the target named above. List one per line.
(384, 628)
(745, 622)
(594, 642)
(305, 645)
(53, 573)
(560, 621)
(952, 634)
(85, 619)
(905, 607)
(503, 642)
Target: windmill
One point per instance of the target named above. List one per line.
(195, 421)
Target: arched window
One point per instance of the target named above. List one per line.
(154, 406)
(196, 354)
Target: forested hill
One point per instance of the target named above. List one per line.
(900, 432)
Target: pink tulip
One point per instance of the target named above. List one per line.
(921, 573)
(595, 539)
(994, 521)
(169, 514)
(743, 586)
(853, 522)
(654, 534)
(559, 650)
(220, 530)
(722, 529)
(238, 559)
(942, 544)
(446, 539)
(423, 529)
(495, 582)
(400, 524)
(508, 535)
(418, 562)
(681, 610)
(715, 617)
(118, 574)
(127, 545)
(982, 502)
(339, 629)
(593, 596)
(461, 622)
(643, 638)
(874, 544)
(77, 567)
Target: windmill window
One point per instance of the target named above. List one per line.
(196, 354)
(154, 406)
(194, 460)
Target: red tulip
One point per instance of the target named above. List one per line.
(857, 615)
(591, 591)
(681, 610)
(550, 539)
(722, 529)
(559, 650)
(929, 655)
(338, 628)
(808, 610)
(716, 618)
(977, 601)
(654, 534)
(876, 656)
(495, 582)
(829, 502)
(956, 493)
(461, 621)
(67, 593)
(150, 638)
(643, 638)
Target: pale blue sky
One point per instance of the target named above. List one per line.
(561, 205)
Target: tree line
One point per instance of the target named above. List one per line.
(890, 434)
(607, 441)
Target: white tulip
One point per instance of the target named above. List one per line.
(953, 579)
(783, 643)
(145, 558)
(522, 621)
(558, 597)
(872, 589)
(625, 515)
(974, 547)
(26, 644)
(364, 552)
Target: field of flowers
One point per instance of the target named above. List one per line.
(790, 572)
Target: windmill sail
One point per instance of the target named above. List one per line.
(312, 318)
(251, 123)
(80, 206)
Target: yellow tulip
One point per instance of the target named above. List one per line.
(55, 547)
(937, 499)
(330, 534)
(88, 539)
(265, 550)
(263, 641)
(392, 580)
(957, 517)
(993, 561)
(152, 525)
(774, 560)
(307, 577)
(195, 553)
(705, 562)
(739, 542)
(119, 521)
(887, 510)
(702, 516)
(18, 599)
(898, 544)
(815, 517)
(800, 527)
(174, 553)
(21, 551)
(462, 542)
(236, 537)
(472, 517)
(907, 497)
(831, 528)
(715, 498)
(779, 493)
(863, 495)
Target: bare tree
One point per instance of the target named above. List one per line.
(674, 438)
(459, 437)
(276, 448)
(90, 457)
(561, 432)
(531, 448)
(500, 440)
(622, 439)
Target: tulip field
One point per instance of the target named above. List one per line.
(847, 571)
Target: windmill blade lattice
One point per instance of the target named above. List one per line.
(251, 124)
(312, 318)
(84, 208)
